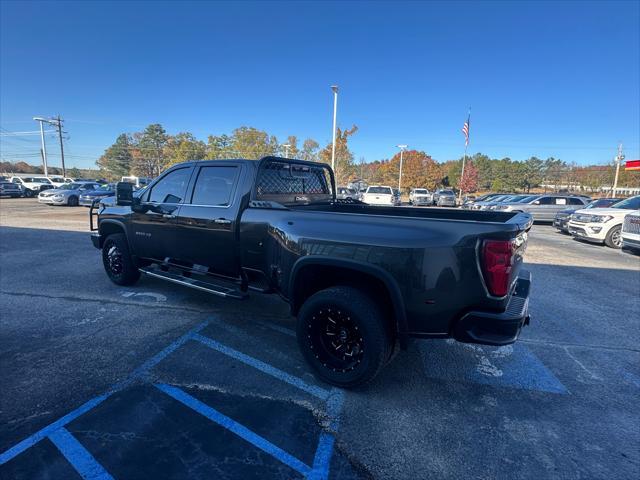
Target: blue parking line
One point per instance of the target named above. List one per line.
(324, 451)
(234, 427)
(78, 456)
(61, 422)
(512, 366)
(263, 367)
(51, 428)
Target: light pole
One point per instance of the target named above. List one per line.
(286, 150)
(619, 159)
(335, 114)
(44, 148)
(57, 122)
(402, 149)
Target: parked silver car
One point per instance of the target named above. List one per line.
(67, 194)
(444, 198)
(543, 208)
(346, 193)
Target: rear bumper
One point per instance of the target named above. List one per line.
(489, 328)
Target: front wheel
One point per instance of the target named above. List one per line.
(614, 237)
(341, 333)
(73, 201)
(117, 260)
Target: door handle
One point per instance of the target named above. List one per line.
(168, 215)
(222, 221)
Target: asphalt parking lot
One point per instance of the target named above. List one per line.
(158, 381)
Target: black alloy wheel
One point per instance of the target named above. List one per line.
(117, 260)
(335, 339)
(343, 335)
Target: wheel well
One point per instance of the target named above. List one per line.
(313, 278)
(107, 229)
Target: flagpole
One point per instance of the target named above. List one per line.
(464, 158)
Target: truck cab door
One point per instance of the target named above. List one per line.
(207, 221)
(153, 221)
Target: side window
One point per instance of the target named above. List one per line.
(574, 201)
(171, 188)
(547, 201)
(561, 201)
(88, 186)
(214, 186)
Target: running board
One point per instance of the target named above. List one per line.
(219, 290)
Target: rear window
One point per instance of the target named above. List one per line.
(214, 186)
(380, 190)
(293, 183)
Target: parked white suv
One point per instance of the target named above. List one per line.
(420, 196)
(31, 186)
(379, 195)
(603, 225)
(631, 231)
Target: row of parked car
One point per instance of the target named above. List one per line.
(58, 190)
(386, 195)
(612, 221)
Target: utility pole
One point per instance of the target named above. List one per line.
(286, 150)
(402, 149)
(59, 122)
(333, 143)
(619, 158)
(44, 148)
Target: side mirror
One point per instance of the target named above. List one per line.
(124, 194)
(537, 202)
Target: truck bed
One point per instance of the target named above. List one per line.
(435, 213)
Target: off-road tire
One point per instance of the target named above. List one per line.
(118, 263)
(610, 239)
(368, 324)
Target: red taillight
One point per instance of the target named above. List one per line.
(496, 261)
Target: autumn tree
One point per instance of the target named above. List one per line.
(148, 152)
(310, 150)
(469, 180)
(116, 160)
(292, 150)
(184, 147)
(345, 169)
(218, 147)
(251, 143)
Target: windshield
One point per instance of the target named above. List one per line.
(603, 202)
(446, 192)
(516, 198)
(35, 180)
(528, 199)
(379, 190)
(70, 186)
(421, 191)
(632, 203)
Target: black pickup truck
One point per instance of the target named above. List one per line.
(361, 280)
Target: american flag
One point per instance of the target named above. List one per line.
(465, 130)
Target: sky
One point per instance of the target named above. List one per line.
(542, 78)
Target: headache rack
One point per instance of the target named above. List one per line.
(293, 182)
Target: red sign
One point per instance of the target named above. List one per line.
(632, 165)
